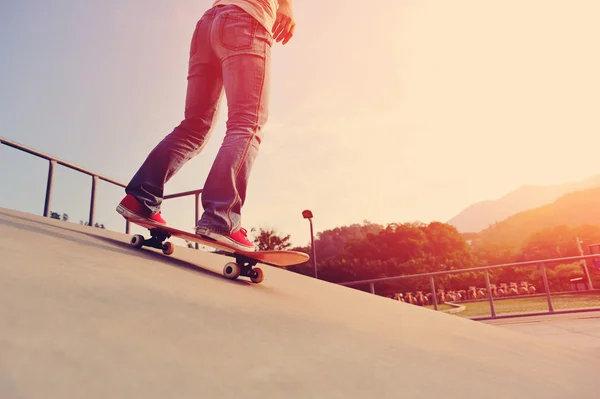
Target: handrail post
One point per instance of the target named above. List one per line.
(197, 211)
(93, 201)
(49, 184)
(435, 304)
(489, 292)
(546, 286)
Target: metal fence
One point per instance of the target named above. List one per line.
(541, 264)
(53, 161)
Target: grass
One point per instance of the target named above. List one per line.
(527, 305)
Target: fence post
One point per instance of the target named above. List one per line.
(435, 304)
(93, 201)
(49, 184)
(489, 291)
(546, 286)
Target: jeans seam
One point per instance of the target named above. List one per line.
(245, 154)
(212, 229)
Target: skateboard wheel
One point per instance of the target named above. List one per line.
(257, 276)
(232, 270)
(137, 241)
(168, 248)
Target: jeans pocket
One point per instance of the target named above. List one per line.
(238, 30)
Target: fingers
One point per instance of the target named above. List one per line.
(283, 28)
(280, 27)
(289, 34)
(277, 26)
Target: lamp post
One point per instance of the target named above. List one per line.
(308, 215)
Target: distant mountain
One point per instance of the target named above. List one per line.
(479, 216)
(573, 209)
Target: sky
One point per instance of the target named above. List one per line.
(390, 111)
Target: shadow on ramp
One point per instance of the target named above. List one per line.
(170, 260)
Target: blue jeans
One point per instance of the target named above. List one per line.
(231, 50)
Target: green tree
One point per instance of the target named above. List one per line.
(366, 251)
(447, 247)
(331, 243)
(268, 239)
(334, 263)
(552, 242)
(490, 253)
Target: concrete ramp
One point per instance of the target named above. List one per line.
(84, 315)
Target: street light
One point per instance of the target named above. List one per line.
(308, 215)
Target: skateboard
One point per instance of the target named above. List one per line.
(245, 261)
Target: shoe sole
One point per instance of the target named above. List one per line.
(130, 215)
(221, 239)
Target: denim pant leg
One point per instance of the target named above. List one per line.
(244, 47)
(205, 85)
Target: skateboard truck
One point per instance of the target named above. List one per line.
(246, 268)
(157, 241)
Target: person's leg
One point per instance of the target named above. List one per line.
(244, 47)
(205, 84)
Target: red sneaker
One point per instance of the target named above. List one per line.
(130, 208)
(238, 240)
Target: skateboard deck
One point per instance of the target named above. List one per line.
(245, 260)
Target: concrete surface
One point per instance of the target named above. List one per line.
(580, 331)
(84, 315)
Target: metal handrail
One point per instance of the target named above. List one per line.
(474, 269)
(485, 269)
(53, 161)
(59, 161)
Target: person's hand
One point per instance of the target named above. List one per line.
(284, 26)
